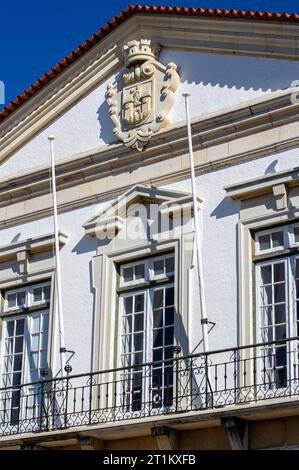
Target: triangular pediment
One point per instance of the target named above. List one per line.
(112, 218)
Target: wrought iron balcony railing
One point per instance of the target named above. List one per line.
(203, 381)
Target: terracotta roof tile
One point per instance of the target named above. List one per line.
(124, 14)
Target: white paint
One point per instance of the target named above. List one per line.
(219, 217)
(215, 81)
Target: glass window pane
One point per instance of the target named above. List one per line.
(35, 341)
(157, 354)
(264, 242)
(7, 379)
(128, 304)
(8, 360)
(10, 328)
(128, 274)
(38, 294)
(44, 341)
(158, 337)
(280, 314)
(33, 360)
(158, 318)
(20, 327)
(168, 336)
(43, 359)
(19, 344)
(139, 271)
(139, 303)
(8, 346)
(127, 343)
(280, 332)
(138, 342)
(35, 324)
(138, 322)
(277, 239)
(158, 298)
(11, 300)
(16, 380)
(169, 352)
(169, 296)
(266, 314)
(169, 316)
(280, 356)
(267, 334)
(127, 323)
(169, 265)
(45, 322)
(17, 365)
(266, 295)
(159, 267)
(138, 358)
(15, 402)
(296, 234)
(21, 296)
(279, 274)
(47, 293)
(279, 293)
(266, 274)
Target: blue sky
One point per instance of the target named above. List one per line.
(35, 36)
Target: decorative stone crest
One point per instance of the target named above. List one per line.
(139, 102)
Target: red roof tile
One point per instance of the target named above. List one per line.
(124, 14)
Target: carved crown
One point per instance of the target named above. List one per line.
(140, 51)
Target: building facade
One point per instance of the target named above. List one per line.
(134, 372)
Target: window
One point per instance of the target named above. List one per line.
(270, 240)
(24, 349)
(30, 296)
(146, 332)
(277, 299)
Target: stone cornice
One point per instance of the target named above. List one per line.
(30, 246)
(275, 183)
(201, 34)
(223, 126)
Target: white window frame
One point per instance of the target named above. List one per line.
(148, 270)
(134, 282)
(292, 235)
(283, 229)
(24, 413)
(148, 292)
(28, 297)
(15, 291)
(165, 275)
(44, 301)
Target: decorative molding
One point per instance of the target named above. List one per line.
(237, 432)
(111, 220)
(261, 39)
(220, 127)
(139, 102)
(167, 438)
(21, 250)
(280, 196)
(174, 208)
(275, 183)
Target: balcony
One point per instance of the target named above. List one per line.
(207, 381)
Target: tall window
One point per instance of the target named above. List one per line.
(277, 299)
(24, 347)
(146, 331)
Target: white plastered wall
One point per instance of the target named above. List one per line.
(216, 81)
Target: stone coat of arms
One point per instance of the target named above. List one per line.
(139, 102)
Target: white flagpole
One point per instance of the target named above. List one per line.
(204, 319)
(57, 261)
